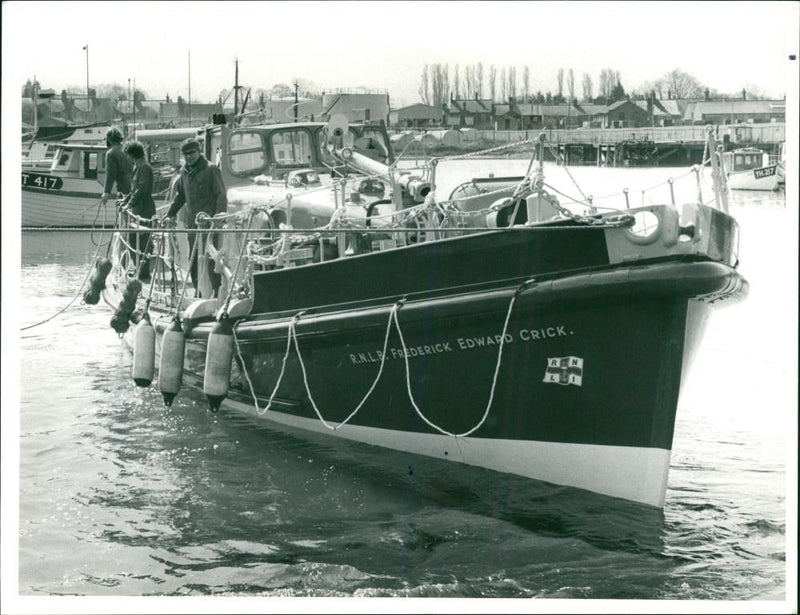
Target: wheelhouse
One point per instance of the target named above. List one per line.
(276, 150)
(745, 159)
(80, 162)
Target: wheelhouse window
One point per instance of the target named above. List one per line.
(377, 143)
(348, 140)
(292, 148)
(247, 155)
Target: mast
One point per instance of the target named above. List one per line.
(296, 85)
(35, 98)
(88, 98)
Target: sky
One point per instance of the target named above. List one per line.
(727, 46)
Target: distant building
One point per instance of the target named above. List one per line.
(735, 112)
(356, 107)
(473, 113)
(281, 110)
(418, 116)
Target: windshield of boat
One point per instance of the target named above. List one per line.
(247, 154)
(743, 161)
(292, 147)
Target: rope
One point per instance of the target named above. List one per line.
(71, 301)
(430, 423)
(238, 263)
(291, 339)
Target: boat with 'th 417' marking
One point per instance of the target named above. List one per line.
(492, 327)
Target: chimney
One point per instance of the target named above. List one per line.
(669, 94)
(476, 96)
(707, 94)
(744, 94)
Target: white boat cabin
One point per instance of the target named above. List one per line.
(79, 161)
(745, 159)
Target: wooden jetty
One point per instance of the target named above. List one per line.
(656, 146)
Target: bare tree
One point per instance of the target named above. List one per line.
(588, 90)
(503, 85)
(479, 79)
(526, 82)
(682, 85)
(512, 81)
(608, 79)
(470, 84)
(493, 82)
(571, 85)
(425, 86)
(439, 85)
(456, 83)
(560, 80)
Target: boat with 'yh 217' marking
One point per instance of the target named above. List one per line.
(493, 326)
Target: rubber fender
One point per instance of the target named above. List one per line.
(170, 368)
(144, 352)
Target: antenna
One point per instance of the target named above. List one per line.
(190, 88)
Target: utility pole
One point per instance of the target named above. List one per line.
(296, 85)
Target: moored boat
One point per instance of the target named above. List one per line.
(750, 168)
(495, 327)
(67, 194)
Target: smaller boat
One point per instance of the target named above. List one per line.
(750, 168)
(68, 193)
(38, 151)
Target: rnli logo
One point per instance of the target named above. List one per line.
(564, 371)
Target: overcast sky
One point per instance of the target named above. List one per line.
(384, 45)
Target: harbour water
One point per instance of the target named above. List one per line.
(121, 497)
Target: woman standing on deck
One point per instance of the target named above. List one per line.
(140, 202)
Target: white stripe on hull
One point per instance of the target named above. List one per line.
(631, 473)
(40, 209)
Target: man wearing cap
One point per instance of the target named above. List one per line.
(118, 170)
(201, 188)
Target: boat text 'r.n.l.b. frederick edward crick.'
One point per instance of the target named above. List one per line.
(494, 327)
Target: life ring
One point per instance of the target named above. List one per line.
(651, 237)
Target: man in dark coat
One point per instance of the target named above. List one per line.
(118, 169)
(201, 189)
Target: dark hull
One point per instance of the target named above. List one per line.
(606, 426)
